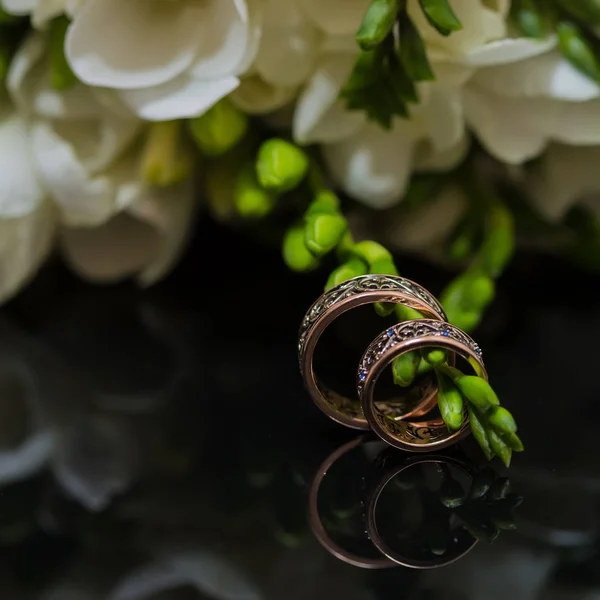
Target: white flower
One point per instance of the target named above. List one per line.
(41, 11)
(516, 109)
(371, 164)
(167, 60)
(566, 175)
(114, 225)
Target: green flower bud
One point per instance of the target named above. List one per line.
(344, 248)
(219, 129)
(578, 50)
(404, 368)
(478, 392)
(502, 421)
(406, 313)
(479, 292)
(435, 357)
(478, 524)
(479, 432)
(450, 402)
(280, 165)
(499, 246)
(325, 202)
(61, 74)
(482, 483)
(529, 19)
(372, 253)
(499, 448)
(295, 253)
(500, 489)
(323, 232)
(166, 158)
(412, 52)
(465, 320)
(377, 23)
(440, 16)
(424, 367)
(251, 200)
(513, 441)
(350, 269)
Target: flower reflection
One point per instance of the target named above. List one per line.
(375, 508)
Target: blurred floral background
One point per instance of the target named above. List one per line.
(120, 122)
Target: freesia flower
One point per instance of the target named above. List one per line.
(41, 11)
(82, 146)
(166, 60)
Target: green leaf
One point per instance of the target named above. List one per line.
(377, 23)
(412, 52)
(440, 16)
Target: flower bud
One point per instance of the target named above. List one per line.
(479, 432)
(529, 19)
(499, 448)
(219, 129)
(372, 253)
(435, 357)
(450, 402)
(166, 159)
(478, 392)
(412, 52)
(513, 441)
(479, 292)
(404, 368)
(251, 200)
(353, 268)
(377, 23)
(295, 253)
(322, 232)
(406, 313)
(502, 421)
(440, 16)
(578, 50)
(61, 75)
(325, 202)
(280, 166)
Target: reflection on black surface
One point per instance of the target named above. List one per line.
(376, 508)
(160, 445)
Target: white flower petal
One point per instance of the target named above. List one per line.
(28, 82)
(25, 243)
(289, 45)
(575, 123)
(546, 75)
(226, 39)
(135, 44)
(374, 165)
(82, 199)
(20, 189)
(95, 461)
(113, 251)
(504, 125)
(46, 10)
(443, 117)
(180, 98)
(256, 97)
(319, 115)
(567, 175)
(508, 50)
(336, 17)
(428, 158)
(18, 7)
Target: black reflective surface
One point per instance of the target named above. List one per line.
(158, 444)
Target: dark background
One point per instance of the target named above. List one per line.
(179, 436)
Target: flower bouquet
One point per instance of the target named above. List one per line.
(343, 129)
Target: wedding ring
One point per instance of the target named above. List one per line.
(367, 289)
(397, 340)
(460, 542)
(364, 561)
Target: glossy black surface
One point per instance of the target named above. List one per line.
(176, 446)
